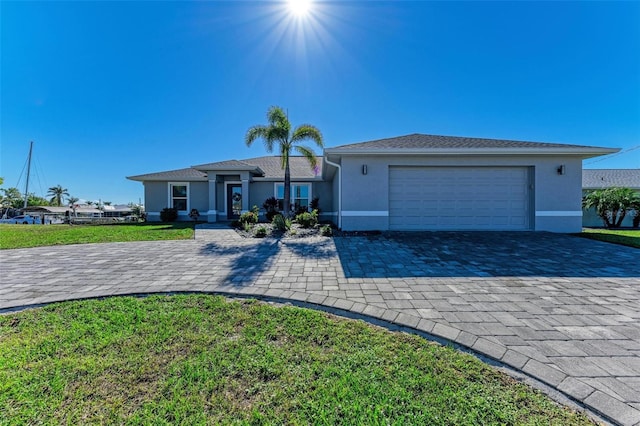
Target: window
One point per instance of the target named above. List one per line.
(178, 196)
(300, 195)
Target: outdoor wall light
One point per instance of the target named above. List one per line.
(364, 169)
(561, 169)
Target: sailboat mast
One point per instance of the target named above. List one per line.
(26, 186)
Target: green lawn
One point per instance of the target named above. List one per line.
(20, 236)
(625, 237)
(202, 359)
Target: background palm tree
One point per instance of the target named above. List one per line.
(56, 193)
(278, 131)
(72, 203)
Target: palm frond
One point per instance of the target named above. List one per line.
(255, 132)
(308, 154)
(278, 119)
(307, 132)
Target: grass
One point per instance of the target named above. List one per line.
(22, 236)
(201, 359)
(625, 237)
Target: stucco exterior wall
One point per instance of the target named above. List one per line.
(555, 199)
(155, 198)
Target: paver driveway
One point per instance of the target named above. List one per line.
(562, 309)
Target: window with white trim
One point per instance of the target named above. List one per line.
(300, 195)
(178, 198)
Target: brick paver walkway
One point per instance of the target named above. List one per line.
(562, 309)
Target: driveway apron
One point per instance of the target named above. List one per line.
(561, 309)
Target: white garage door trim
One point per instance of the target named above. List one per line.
(459, 198)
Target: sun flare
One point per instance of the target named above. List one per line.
(299, 8)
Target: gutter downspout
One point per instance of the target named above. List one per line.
(339, 167)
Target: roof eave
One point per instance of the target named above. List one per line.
(586, 152)
(167, 179)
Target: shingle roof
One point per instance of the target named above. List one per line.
(604, 178)
(227, 164)
(299, 166)
(268, 167)
(419, 141)
(188, 174)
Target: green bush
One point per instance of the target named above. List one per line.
(261, 232)
(169, 214)
(326, 231)
(250, 217)
(280, 223)
(308, 220)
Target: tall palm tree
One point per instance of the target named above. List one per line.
(57, 193)
(279, 132)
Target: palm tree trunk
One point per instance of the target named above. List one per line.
(287, 189)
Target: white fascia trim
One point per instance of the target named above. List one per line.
(367, 213)
(559, 213)
(478, 151)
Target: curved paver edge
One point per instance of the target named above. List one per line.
(507, 360)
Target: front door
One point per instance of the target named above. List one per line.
(234, 201)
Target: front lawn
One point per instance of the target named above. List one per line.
(202, 359)
(626, 237)
(21, 236)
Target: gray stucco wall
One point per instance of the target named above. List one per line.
(156, 198)
(555, 205)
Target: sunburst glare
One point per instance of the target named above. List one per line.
(299, 8)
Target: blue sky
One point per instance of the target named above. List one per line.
(112, 89)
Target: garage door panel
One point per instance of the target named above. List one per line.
(458, 198)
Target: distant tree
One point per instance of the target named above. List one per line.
(1, 181)
(106, 203)
(278, 131)
(57, 193)
(73, 204)
(611, 204)
(12, 198)
(89, 203)
(35, 200)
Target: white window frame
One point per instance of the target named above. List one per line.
(291, 193)
(170, 195)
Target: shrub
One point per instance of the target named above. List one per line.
(169, 214)
(280, 223)
(300, 210)
(250, 217)
(315, 204)
(326, 231)
(247, 227)
(261, 232)
(271, 207)
(308, 220)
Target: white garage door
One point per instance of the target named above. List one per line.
(471, 198)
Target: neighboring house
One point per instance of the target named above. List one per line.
(606, 178)
(413, 182)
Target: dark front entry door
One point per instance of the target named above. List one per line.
(234, 201)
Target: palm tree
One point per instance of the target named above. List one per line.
(72, 203)
(56, 193)
(611, 204)
(278, 131)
